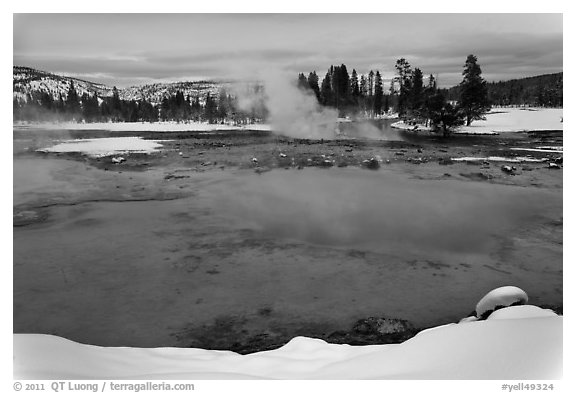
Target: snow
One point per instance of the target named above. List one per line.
(142, 126)
(500, 159)
(500, 297)
(506, 120)
(514, 343)
(409, 127)
(515, 120)
(101, 147)
(548, 149)
(520, 312)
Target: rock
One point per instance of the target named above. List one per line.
(387, 161)
(419, 150)
(508, 169)
(118, 160)
(553, 165)
(260, 170)
(371, 163)
(349, 150)
(326, 163)
(282, 155)
(373, 330)
(381, 326)
(499, 298)
(479, 176)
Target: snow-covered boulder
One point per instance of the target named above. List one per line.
(500, 298)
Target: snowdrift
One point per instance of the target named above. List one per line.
(518, 342)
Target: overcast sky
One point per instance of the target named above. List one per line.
(129, 49)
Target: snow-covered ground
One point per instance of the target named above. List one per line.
(101, 147)
(506, 120)
(517, 119)
(142, 126)
(400, 125)
(514, 343)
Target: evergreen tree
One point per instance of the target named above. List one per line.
(210, 109)
(60, 106)
(386, 105)
(473, 91)
(326, 95)
(432, 83)
(404, 72)
(417, 91)
(363, 86)
(115, 105)
(378, 93)
(313, 83)
(443, 115)
(46, 101)
(223, 109)
(90, 109)
(303, 82)
(72, 103)
(354, 88)
(16, 110)
(341, 88)
(370, 83)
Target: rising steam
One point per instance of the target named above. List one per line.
(291, 111)
(295, 112)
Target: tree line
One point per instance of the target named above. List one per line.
(346, 92)
(539, 91)
(41, 106)
(414, 100)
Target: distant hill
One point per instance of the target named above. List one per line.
(29, 81)
(541, 90)
(157, 91)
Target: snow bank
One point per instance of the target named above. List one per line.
(520, 342)
(142, 127)
(101, 147)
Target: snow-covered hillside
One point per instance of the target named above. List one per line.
(28, 80)
(157, 91)
(514, 343)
